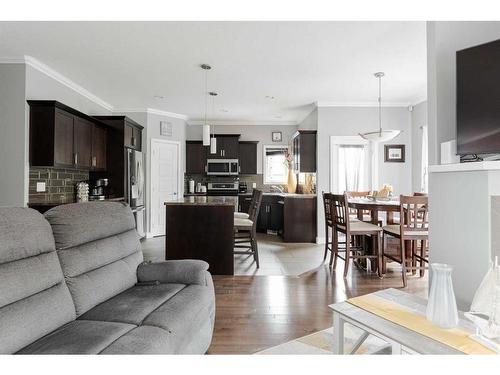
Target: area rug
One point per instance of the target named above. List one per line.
(322, 343)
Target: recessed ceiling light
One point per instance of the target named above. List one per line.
(159, 97)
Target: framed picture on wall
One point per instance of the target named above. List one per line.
(277, 136)
(394, 153)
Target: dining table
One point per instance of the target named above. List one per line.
(375, 206)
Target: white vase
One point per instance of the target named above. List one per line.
(442, 305)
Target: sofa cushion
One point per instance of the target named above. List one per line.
(143, 340)
(78, 223)
(184, 314)
(34, 300)
(79, 337)
(99, 250)
(133, 305)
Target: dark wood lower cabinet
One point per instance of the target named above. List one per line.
(270, 214)
(300, 222)
(291, 216)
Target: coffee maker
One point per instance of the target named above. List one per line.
(98, 189)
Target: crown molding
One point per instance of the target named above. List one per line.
(48, 71)
(361, 104)
(243, 123)
(151, 111)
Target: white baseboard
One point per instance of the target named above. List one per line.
(320, 240)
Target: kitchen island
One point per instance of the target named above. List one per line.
(201, 227)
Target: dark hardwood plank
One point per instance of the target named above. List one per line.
(258, 312)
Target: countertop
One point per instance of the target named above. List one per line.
(43, 202)
(204, 201)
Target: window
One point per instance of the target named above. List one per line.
(353, 164)
(351, 168)
(275, 167)
(425, 161)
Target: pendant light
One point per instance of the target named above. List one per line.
(213, 140)
(380, 135)
(206, 127)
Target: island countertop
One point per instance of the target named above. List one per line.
(204, 201)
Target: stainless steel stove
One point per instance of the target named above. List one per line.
(224, 189)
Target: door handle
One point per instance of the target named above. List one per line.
(94, 161)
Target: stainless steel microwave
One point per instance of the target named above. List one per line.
(222, 167)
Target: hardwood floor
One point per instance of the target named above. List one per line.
(257, 312)
(286, 298)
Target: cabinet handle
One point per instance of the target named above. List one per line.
(94, 161)
(75, 159)
(239, 169)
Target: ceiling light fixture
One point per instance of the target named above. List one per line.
(213, 140)
(380, 135)
(206, 127)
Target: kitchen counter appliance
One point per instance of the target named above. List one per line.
(222, 167)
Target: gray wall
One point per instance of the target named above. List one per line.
(443, 40)
(310, 122)
(418, 119)
(349, 121)
(13, 136)
(261, 133)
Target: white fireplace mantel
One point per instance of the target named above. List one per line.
(465, 167)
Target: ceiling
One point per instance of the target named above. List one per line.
(263, 71)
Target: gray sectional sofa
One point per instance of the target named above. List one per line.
(74, 282)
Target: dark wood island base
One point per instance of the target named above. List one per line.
(201, 229)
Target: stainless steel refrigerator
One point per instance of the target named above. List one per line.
(134, 187)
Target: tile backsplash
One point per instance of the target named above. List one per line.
(59, 184)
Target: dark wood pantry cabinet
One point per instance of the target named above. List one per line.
(61, 136)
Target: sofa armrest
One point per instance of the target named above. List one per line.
(187, 271)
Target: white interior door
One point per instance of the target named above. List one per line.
(165, 178)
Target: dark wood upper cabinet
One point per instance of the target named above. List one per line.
(82, 142)
(304, 151)
(61, 136)
(248, 157)
(63, 145)
(99, 137)
(132, 135)
(227, 147)
(196, 157)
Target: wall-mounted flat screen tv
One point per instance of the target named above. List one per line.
(478, 99)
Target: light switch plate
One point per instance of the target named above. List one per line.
(254, 185)
(40, 187)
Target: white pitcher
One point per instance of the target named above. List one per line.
(442, 305)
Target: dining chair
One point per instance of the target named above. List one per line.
(413, 227)
(245, 215)
(328, 223)
(245, 230)
(341, 224)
